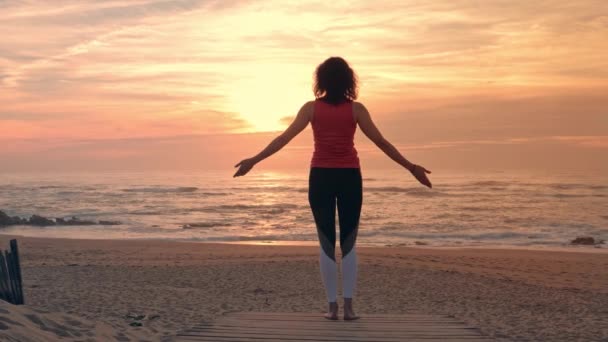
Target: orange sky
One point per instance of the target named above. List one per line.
(202, 84)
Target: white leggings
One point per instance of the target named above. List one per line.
(329, 275)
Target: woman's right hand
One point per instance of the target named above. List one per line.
(420, 173)
(244, 166)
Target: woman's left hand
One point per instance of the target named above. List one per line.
(245, 166)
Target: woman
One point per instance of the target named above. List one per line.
(335, 176)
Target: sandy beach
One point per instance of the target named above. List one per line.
(95, 289)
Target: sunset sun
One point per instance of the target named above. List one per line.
(265, 96)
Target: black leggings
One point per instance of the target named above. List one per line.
(326, 188)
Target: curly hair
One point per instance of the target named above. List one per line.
(335, 81)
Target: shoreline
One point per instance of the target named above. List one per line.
(598, 248)
(102, 284)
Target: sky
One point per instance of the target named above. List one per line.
(454, 85)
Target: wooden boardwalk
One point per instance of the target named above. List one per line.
(283, 326)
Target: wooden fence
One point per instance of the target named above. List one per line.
(11, 288)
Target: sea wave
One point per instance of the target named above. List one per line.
(501, 235)
(51, 187)
(256, 206)
(162, 189)
(414, 191)
(576, 186)
(204, 225)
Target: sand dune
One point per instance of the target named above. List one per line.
(24, 323)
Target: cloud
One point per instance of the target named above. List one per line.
(442, 71)
(286, 120)
(584, 141)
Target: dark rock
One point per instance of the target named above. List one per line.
(19, 220)
(110, 223)
(421, 243)
(583, 240)
(135, 324)
(75, 221)
(5, 220)
(37, 220)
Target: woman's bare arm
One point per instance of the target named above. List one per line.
(370, 130)
(368, 127)
(297, 126)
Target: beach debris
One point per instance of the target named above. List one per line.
(421, 243)
(135, 316)
(135, 319)
(41, 221)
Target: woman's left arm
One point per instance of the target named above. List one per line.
(297, 126)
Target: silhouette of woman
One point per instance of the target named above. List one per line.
(335, 174)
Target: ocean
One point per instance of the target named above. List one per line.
(506, 209)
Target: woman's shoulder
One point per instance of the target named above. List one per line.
(358, 106)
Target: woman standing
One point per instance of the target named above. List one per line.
(335, 174)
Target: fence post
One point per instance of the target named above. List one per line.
(17, 268)
(5, 290)
(11, 285)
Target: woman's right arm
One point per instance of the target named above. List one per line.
(368, 127)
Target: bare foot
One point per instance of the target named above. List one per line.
(349, 313)
(332, 314)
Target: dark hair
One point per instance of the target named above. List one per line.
(335, 81)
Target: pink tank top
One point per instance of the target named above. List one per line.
(334, 128)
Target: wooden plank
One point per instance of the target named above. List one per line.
(320, 315)
(234, 337)
(336, 334)
(272, 313)
(329, 323)
(308, 327)
(393, 318)
(368, 319)
(371, 317)
(316, 315)
(340, 331)
(17, 268)
(334, 328)
(247, 339)
(337, 324)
